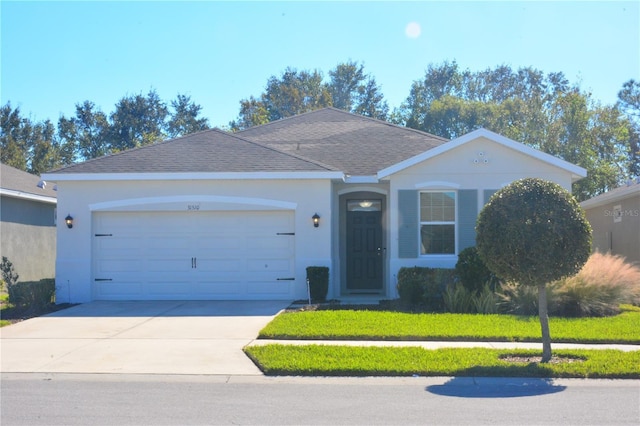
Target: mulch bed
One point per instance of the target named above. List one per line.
(538, 359)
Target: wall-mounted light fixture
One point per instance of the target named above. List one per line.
(316, 220)
(69, 221)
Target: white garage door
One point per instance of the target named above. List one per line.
(193, 255)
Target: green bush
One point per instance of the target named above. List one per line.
(472, 271)
(35, 295)
(318, 277)
(422, 288)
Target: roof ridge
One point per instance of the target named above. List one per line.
(353, 114)
(280, 120)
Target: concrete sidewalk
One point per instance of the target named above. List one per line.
(446, 344)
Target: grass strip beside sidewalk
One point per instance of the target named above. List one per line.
(326, 360)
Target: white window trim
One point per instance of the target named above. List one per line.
(454, 223)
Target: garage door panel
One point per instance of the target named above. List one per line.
(271, 243)
(193, 255)
(268, 287)
(120, 289)
(167, 265)
(114, 267)
(167, 288)
(273, 266)
(167, 244)
(217, 242)
(213, 288)
(218, 266)
(119, 247)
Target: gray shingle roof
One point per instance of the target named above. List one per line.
(20, 181)
(212, 151)
(356, 145)
(323, 140)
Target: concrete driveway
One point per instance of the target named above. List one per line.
(150, 337)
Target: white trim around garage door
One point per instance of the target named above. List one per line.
(191, 203)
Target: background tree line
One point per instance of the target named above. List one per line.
(544, 111)
(136, 121)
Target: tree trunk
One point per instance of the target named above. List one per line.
(544, 323)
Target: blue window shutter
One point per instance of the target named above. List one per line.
(467, 216)
(408, 217)
(488, 193)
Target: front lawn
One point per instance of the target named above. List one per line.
(326, 360)
(384, 325)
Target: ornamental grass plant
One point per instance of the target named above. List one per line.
(604, 283)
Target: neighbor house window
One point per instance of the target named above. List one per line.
(438, 222)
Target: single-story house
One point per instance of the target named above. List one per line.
(215, 215)
(615, 220)
(27, 223)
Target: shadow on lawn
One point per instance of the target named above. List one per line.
(487, 387)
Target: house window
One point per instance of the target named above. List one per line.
(437, 222)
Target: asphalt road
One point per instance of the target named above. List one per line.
(81, 399)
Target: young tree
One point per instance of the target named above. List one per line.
(533, 232)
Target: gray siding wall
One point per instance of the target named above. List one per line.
(621, 237)
(28, 237)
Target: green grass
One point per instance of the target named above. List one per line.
(384, 325)
(325, 360)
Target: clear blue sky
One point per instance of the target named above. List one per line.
(57, 54)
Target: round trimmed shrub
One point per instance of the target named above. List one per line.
(533, 232)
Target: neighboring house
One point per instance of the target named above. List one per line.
(27, 223)
(214, 215)
(615, 219)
